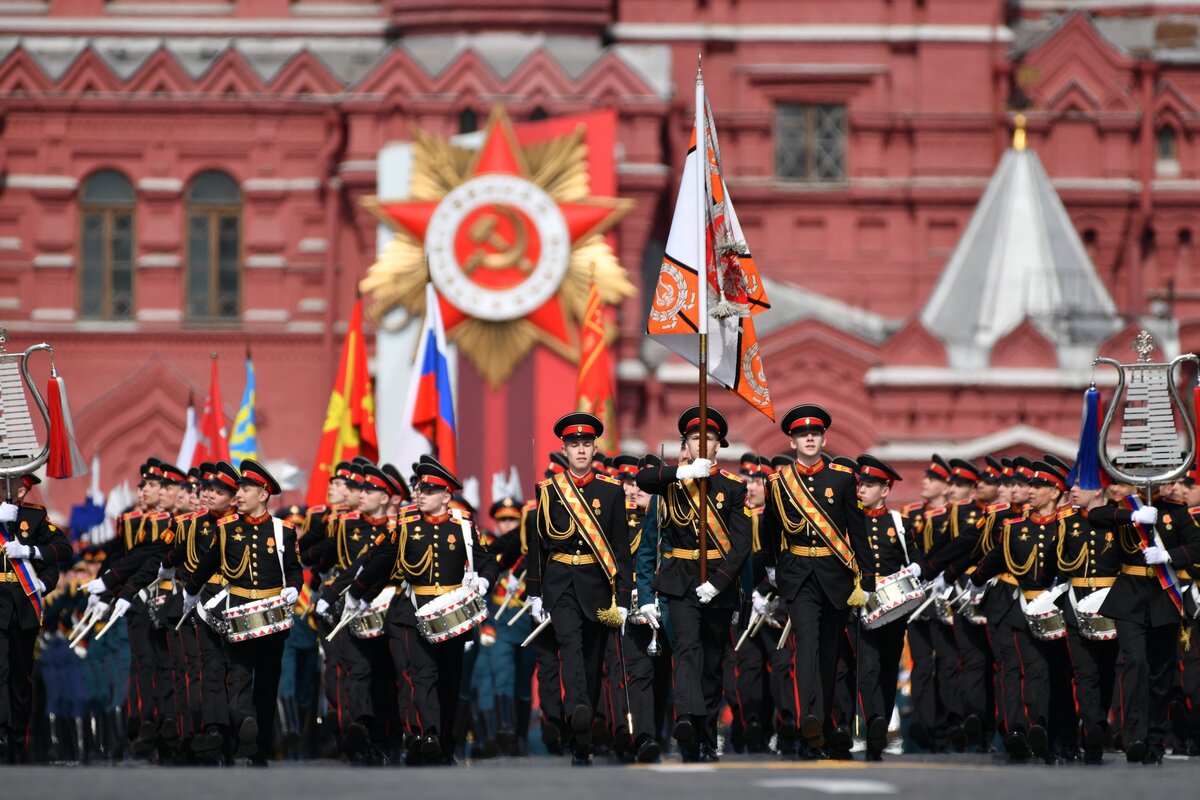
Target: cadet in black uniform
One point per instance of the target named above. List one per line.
(1148, 622)
(256, 554)
(428, 551)
(813, 531)
(701, 612)
(879, 650)
(580, 570)
(32, 544)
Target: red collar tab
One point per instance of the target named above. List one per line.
(875, 512)
(258, 520)
(813, 470)
(437, 520)
(585, 480)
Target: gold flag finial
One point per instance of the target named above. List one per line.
(1019, 133)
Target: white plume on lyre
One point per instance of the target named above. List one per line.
(506, 485)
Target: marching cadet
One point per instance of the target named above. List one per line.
(813, 530)
(428, 551)
(1027, 555)
(701, 610)
(1188, 705)
(1088, 557)
(31, 545)
(580, 570)
(367, 677)
(930, 690)
(218, 484)
(878, 651)
(256, 554)
(637, 678)
(765, 679)
(1148, 620)
(148, 539)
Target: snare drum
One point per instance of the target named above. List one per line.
(370, 624)
(893, 598)
(451, 614)
(1096, 627)
(1047, 625)
(257, 618)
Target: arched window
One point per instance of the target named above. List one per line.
(106, 215)
(468, 121)
(214, 242)
(1166, 146)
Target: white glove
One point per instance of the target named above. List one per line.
(8, 512)
(651, 615)
(467, 647)
(536, 611)
(322, 606)
(353, 604)
(512, 585)
(975, 591)
(290, 595)
(15, 550)
(938, 584)
(915, 569)
(697, 469)
(96, 586)
(93, 600)
(771, 576)
(102, 608)
(1146, 515)
(122, 605)
(166, 573)
(624, 612)
(41, 587)
(480, 584)
(1156, 555)
(189, 602)
(486, 638)
(706, 592)
(759, 603)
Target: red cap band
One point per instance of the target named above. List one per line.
(1048, 476)
(872, 472)
(628, 469)
(962, 472)
(259, 479)
(378, 483)
(807, 422)
(435, 480)
(696, 424)
(938, 469)
(579, 430)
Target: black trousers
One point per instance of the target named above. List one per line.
(879, 653)
(581, 653)
(436, 673)
(164, 673)
(363, 660)
(334, 675)
(936, 698)
(214, 671)
(816, 626)
(1045, 686)
(143, 664)
(177, 660)
(549, 677)
(1008, 675)
(1094, 665)
(639, 669)
(254, 667)
(189, 639)
(398, 646)
(976, 679)
(1147, 676)
(16, 670)
(701, 641)
(766, 680)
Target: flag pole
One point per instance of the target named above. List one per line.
(702, 298)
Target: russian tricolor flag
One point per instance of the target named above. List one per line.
(430, 395)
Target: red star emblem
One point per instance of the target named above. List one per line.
(489, 248)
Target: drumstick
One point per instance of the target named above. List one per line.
(347, 618)
(536, 631)
(508, 597)
(517, 615)
(783, 637)
(109, 624)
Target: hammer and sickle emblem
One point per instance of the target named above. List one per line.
(483, 232)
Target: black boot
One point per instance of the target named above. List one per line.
(118, 734)
(462, 721)
(289, 722)
(481, 730)
(524, 711)
(81, 740)
(505, 734)
(56, 753)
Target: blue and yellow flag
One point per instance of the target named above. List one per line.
(243, 443)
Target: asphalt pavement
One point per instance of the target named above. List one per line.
(940, 777)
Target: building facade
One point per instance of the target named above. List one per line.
(183, 179)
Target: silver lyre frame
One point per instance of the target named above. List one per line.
(1189, 428)
(20, 470)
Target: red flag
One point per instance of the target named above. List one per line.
(733, 291)
(213, 444)
(593, 387)
(349, 428)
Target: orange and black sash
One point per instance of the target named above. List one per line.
(593, 534)
(816, 515)
(716, 526)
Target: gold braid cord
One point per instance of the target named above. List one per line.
(610, 616)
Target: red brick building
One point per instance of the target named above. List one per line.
(179, 179)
